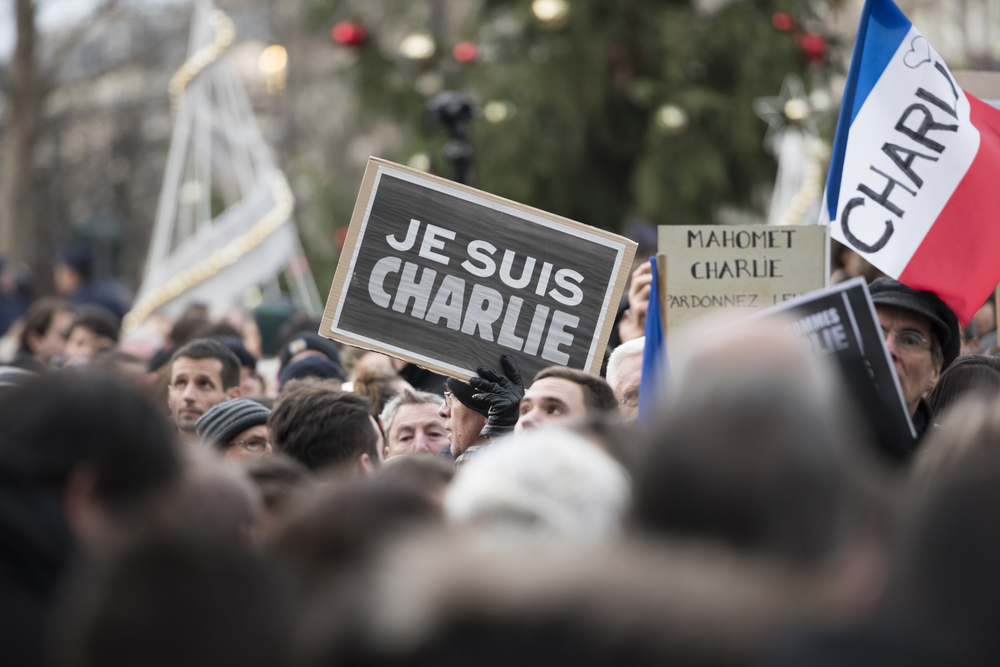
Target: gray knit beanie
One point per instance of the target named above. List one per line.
(224, 421)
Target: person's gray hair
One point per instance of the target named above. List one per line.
(406, 397)
(620, 354)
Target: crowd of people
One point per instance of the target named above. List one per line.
(170, 497)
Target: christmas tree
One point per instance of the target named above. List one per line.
(599, 110)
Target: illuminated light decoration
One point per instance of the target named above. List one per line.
(465, 52)
(225, 31)
(797, 109)
(671, 118)
(782, 21)
(349, 34)
(813, 47)
(421, 161)
(552, 13)
(497, 112)
(272, 63)
(418, 46)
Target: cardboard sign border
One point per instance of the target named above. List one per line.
(844, 287)
(362, 207)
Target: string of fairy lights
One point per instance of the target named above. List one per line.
(280, 212)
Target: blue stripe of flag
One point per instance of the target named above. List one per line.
(880, 32)
(655, 365)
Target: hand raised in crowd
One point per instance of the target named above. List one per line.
(633, 323)
(503, 393)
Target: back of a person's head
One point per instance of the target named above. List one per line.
(342, 527)
(975, 373)
(54, 424)
(972, 424)
(188, 329)
(549, 482)
(597, 393)
(753, 451)
(174, 600)
(38, 319)
(98, 320)
(320, 427)
(948, 583)
(209, 348)
(377, 386)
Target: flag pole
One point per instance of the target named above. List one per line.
(661, 290)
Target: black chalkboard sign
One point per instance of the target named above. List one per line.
(449, 277)
(841, 320)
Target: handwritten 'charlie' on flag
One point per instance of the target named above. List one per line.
(914, 181)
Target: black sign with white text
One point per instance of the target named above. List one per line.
(841, 321)
(451, 278)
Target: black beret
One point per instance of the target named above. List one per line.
(464, 392)
(889, 292)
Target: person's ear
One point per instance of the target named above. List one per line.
(32, 342)
(83, 509)
(234, 392)
(365, 465)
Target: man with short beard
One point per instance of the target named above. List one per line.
(203, 373)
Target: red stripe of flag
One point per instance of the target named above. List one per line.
(959, 259)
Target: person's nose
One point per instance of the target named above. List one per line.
(890, 342)
(444, 411)
(530, 419)
(189, 393)
(423, 443)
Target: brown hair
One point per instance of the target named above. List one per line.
(597, 393)
(321, 427)
(39, 318)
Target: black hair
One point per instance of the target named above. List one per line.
(38, 320)
(97, 319)
(208, 348)
(53, 424)
(320, 427)
(173, 599)
(235, 345)
(971, 373)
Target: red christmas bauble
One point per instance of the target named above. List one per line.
(348, 33)
(465, 52)
(782, 21)
(813, 47)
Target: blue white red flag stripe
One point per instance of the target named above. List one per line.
(655, 380)
(915, 160)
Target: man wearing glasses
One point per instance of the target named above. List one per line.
(923, 338)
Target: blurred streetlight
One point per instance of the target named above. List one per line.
(552, 13)
(273, 64)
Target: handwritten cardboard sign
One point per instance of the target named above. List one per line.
(741, 267)
(449, 277)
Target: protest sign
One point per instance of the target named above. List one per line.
(842, 321)
(743, 267)
(449, 277)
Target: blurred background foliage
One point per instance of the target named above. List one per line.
(612, 110)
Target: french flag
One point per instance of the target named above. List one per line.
(914, 181)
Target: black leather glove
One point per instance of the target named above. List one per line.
(502, 392)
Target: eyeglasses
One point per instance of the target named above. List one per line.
(448, 396)
(252, 444)
(909, 340)
(630, 400)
